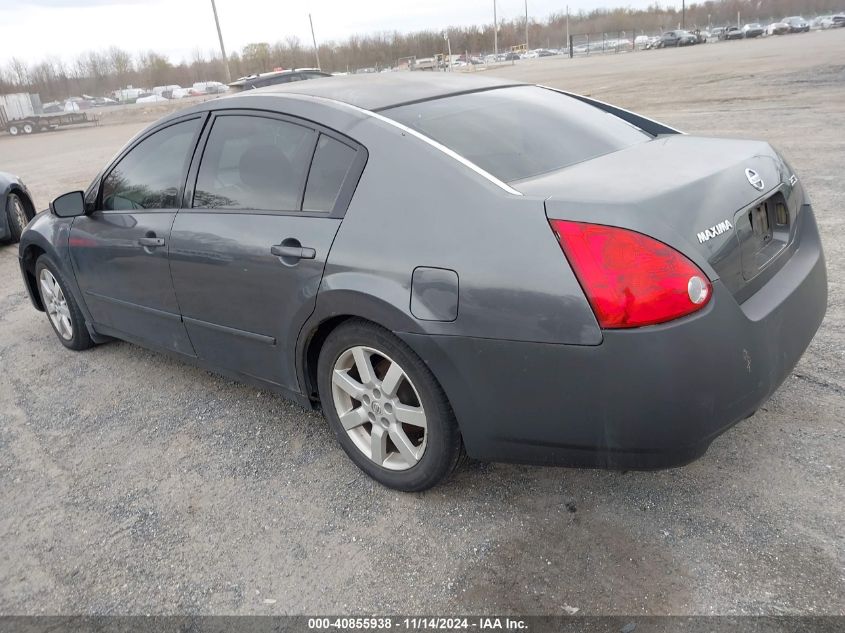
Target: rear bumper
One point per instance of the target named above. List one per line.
(651, 397)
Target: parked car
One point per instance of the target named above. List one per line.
(166, 91)
(278, 77)
(16, 208)
(797, 24)
(717, 32)
(152, 98)
(732, 33)
(752, 30)
(209, 87)
(100, 102)
(676, 38)
(277, 238)
(777, 28)
(180, 93)
(832, 21)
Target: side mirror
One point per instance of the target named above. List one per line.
(69, 205)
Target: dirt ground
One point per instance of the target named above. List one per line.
(131, 483)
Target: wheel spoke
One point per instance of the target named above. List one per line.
(404, 444)
(392, 379)
(66, 329)
(46, 288)
(353, 418)
(415, 416)
(378, 444)
(348, 384)
(365, 367)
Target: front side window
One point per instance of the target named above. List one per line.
(150, 175)
(519, 132)
(253, 162)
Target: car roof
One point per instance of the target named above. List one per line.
(387, 90)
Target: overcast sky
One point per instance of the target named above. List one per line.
(35, 29)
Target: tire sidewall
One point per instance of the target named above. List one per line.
(12, 217)
(443, 439)
(80, 339)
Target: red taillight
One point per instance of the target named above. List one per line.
(631, 279)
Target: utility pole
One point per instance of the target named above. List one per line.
(526, 26)
(222, 48)
(567, 25)
(495, 30)
(314, 40)
(683, 14)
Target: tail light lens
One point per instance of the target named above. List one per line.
(630, 279)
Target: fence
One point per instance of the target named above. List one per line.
(600, 43)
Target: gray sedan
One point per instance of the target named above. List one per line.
(445, 265)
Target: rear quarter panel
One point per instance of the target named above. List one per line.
(415, 206)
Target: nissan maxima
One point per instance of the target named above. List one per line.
(448, 265)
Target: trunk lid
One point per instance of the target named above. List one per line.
(728, 205)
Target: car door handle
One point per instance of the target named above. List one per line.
(293, 252)
(151, 242)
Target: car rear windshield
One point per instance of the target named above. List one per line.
(518, 132)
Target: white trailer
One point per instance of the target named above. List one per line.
(20, 105)
(20, 113)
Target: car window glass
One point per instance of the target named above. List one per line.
(254, 162)
(331, 163)
(150, 175)
(515, 133)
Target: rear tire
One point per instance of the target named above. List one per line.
(17, 215)
(27, 128)
(391, 417)
(63, 313)
(14, 130)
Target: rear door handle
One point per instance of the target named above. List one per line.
(293, 252)
(151, 242)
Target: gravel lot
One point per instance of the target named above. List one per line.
(132, 483)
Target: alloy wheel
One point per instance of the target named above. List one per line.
(56, 305)
(379, 408)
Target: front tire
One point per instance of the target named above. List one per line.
(386, 408)
(62, 311)
(17, 215)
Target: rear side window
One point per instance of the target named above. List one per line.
(331, 163)
(519, 132)
(150, 175)
(254, 162)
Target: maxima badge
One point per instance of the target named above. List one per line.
(713, 231)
